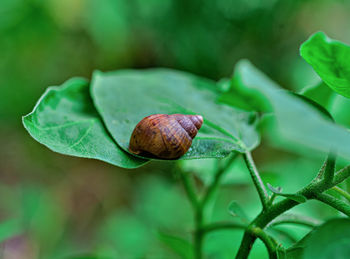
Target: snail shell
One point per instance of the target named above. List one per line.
(165, 136)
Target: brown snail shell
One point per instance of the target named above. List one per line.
(164, 136)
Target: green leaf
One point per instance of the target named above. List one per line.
(236, 210)
(180, 246)
(330, 59)
(65, 120)
(241, 97)
(125, 97)
(330, 240)
(320, 93)
(298, 121)
(295, 197)
(9, 229)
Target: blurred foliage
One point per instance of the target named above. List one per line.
(61, 207)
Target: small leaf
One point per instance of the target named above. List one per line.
(330, 59)
(66, 121)
(236, 210)
(180, 246)
(125, 97)
(296, 197)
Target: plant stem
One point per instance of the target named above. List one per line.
(294, 219)
(259, 185)
(222, 226)
(190, 190)
(341, 175)
(261, 221)
(334, 202)
(312, 191)
(342, 192)
(329, 170)
(212, 188)
(198, 235)
(191, 194)
(198, 205)
(269, 242)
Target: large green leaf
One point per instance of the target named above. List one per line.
(330, 240)
(298, 121)
(330, 59)
(124, 97)
(66, 121)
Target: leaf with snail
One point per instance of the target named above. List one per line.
(123, 98)
(66, 121)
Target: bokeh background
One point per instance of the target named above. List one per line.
(67, 207)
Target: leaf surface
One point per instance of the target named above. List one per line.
(65, 120)
(125, 97)
(298, 121)
(330, 240)
(330, 59)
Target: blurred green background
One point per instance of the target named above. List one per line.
(67, 207)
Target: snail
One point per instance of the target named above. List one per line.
(164, 136)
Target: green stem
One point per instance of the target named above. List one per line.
(340, 191)
(329, 170)
(341, 175)
(190, 190)
(191, 194)
(259, 185)
(199, 206)
(199, 234)
(222, 226)
(295, 219)
(312, 191)
(333, 202)
(269, 242)
(213, 187)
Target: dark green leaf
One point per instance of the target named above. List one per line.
(236, 210)
(66, 121)
(180, 246)
(330, 59)
(330, 240)
(125, 97)
(316, 105)
(298, 122)
(320, 93)
(296, 197)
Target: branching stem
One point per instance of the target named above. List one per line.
(199, 205)
(259, 185)
(313, 191)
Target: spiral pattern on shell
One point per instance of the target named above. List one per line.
(165, 136)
